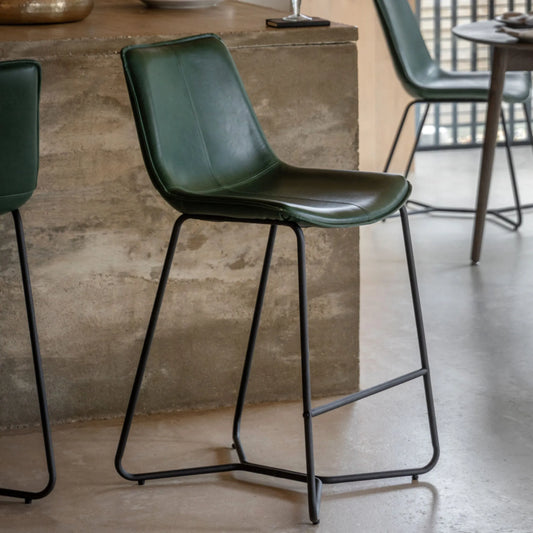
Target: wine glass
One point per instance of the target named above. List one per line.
(296, 15)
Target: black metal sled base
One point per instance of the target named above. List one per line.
(314, 482)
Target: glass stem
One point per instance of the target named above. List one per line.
(296, 7)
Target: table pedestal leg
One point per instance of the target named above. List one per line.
(499, 64)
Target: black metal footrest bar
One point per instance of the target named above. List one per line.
(368, 392)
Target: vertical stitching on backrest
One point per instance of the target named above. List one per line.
(197, 120)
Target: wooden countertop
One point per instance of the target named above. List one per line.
(125, 21)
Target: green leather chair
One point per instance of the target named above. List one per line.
(427, 83)
(19, 161)
(208, 157)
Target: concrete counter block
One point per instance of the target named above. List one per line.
(96, 229)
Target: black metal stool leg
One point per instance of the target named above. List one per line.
(146, 351)
(313, 483)
(37, 365)
(512, 175)
(417, 140)
(423, 371)
(398, 134)
(421, 206)
(527, 117)
(421, 343)
(251, 344)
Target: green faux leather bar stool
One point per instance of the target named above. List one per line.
(19, 161)
(429, 84)
(208, 158)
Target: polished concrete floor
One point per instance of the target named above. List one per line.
(480, 337)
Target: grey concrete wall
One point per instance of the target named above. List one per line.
(97, 231)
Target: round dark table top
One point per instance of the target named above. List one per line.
(486, 32)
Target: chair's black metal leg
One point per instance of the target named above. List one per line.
(313, 484)
(527, 117)
(421, 343)
(425, 208)
(398, 134)
(37, 365)
(146, 351)
(417, 140)
(512, 175)
(251, 344)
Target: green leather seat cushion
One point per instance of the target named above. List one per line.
(310, 197)
(470, 86)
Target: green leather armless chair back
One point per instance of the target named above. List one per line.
(412, 60)
(428, 83)
(19, 161)
(207, 155)
(185, 149)
(19, 133)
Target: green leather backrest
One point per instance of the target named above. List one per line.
(19, 132)
(410, 55)
(196, 126)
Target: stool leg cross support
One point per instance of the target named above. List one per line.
(313, 481)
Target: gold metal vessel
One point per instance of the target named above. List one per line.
(43, 11)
